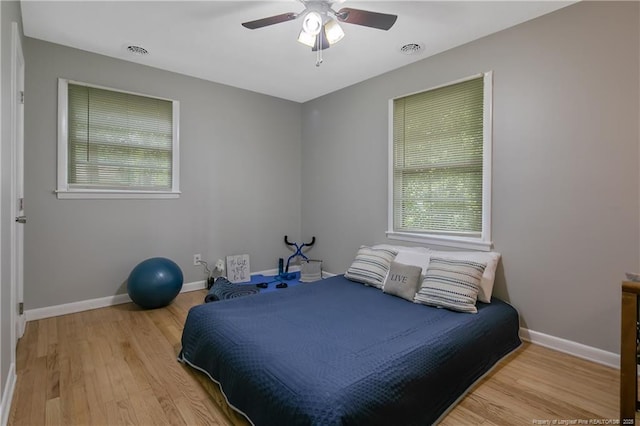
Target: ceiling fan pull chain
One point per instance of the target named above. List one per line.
(318, 52)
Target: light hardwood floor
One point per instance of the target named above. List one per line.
(118, 365)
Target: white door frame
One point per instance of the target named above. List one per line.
(17, 186)
(3, 411)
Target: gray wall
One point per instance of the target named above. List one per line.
(565, 195)
(565, 166)
(240, 169)
(10, 13)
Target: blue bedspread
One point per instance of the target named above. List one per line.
(339, 353)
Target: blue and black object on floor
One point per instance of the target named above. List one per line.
(224, 289)
(285, 274)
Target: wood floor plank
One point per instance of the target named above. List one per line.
(135, 366)
(52, 330)
(143, 413)
(53, 413)
(21, 407)
(80, 414)
(29, 344)
(113, 413)
(154, 410)
(184, 407)
(38, 392)
(95, 397)
(128, 413)
(170, 410)
(65, 388)
(462, 415)
(96, 375)
(43, 337)
(117, 366)
(116, 380)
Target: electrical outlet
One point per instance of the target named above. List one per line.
(196, 259)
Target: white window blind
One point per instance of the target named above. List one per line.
(438, 140)
(118, 140)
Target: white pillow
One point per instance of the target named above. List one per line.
(414, 259)
(416, 256)
(491, 259)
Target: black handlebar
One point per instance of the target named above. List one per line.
(313, 241)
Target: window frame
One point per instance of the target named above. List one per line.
(64, 191)
(483, 242)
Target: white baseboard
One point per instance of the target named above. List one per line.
(87, 305)
(562, 345)
(267, 272)
(294, 268)
(7, 395)
(196, 285)
(579, 350)
(102, 302)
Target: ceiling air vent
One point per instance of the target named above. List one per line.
(137, 50)
(411, 48)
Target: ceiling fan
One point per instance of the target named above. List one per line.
(320, 28)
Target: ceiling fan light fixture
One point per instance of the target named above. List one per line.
(312, 23)
(333, 31)
(320, 23)
(306, 38)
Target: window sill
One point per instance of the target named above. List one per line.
(442, 240)
(114, 194)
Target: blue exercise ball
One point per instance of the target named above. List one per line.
(154, 282)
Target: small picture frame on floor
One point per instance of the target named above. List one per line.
(238, 269)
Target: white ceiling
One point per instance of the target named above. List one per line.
(204, 39)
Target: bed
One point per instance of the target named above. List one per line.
(336, 352)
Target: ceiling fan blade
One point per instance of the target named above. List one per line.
(381, 21)
(321, 40)
(259, 23)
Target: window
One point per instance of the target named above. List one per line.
(115, 144)
(440, 165)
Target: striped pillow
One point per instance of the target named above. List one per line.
(451, 284)
(371, 266)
